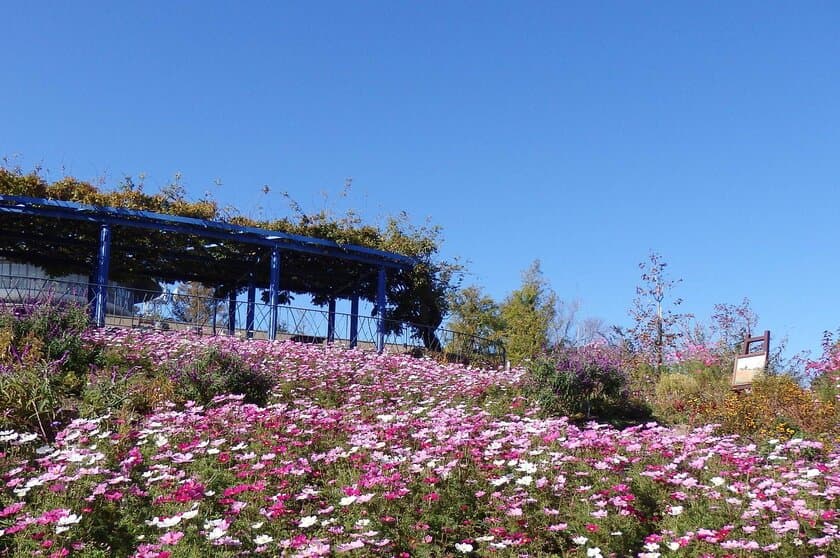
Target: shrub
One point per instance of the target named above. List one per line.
(49, 332)
(689, 390)
(777, 407)
(674, 394)
(825, 372)
(31, 397)
(128, 393)
(43, 362)
(578, 381)
(827, 387)
(215, 372)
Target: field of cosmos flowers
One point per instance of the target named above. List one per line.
(357, 454)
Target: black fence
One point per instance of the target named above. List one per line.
(172, 310)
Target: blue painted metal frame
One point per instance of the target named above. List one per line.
(249, 312)
(274, 293)
(380, 310)
(217, 230)
(354, 321)
(100, 289)
(107, 217)
(331, 321)
(231, 313)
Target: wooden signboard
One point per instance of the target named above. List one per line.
(751, 363)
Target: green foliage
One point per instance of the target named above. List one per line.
(473, 312)
(476, 317)
(527, 314)
(216, 373)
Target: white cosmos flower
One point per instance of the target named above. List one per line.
(580, 540)
(263, 539)
(463, 547)
(64, 523)
(525, 481)
(307, 521)
(347, 500)
(527, 467)
(216, 533)
(169, 522)
(165, 523)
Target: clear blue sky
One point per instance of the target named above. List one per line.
(584, 134)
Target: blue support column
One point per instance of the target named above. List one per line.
(331, 321)
(354, 321)
(100, 288)
(273, 293)
(380, 311)
(232, 312)
(252, 300)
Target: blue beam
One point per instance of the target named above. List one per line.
(232, 312)
(103, 262)
(252, 300)
(354, 320)
(380, 311)
(331, 321)
(273, 293)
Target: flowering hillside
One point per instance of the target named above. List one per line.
(363, 455)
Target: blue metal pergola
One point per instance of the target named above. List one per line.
(277, 242)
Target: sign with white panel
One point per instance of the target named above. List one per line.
(749, 365)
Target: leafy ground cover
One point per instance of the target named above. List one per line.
(355, 454)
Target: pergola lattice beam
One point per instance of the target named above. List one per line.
(38, 207)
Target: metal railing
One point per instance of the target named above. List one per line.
(172, 310)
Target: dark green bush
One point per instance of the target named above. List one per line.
(215, 372)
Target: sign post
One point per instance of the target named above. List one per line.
(749, 365)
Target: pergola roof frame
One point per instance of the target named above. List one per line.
(276, 241)
(217, 230)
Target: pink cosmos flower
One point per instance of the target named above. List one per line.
(171, 537)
